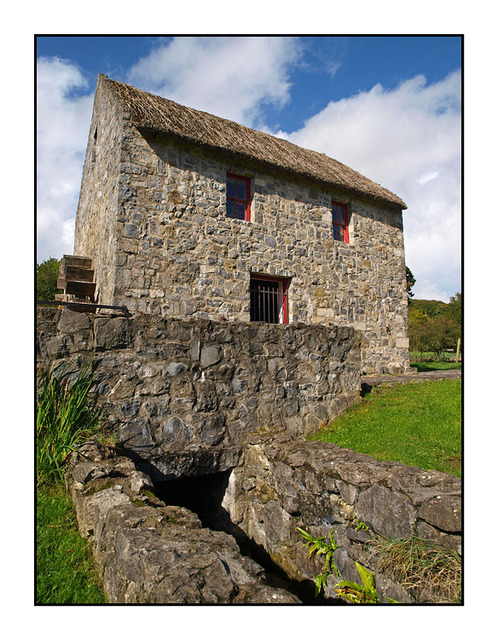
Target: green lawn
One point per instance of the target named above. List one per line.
(417, 424)
(65, 569)
(435, 366)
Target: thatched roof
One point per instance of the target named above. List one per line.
(154, 113)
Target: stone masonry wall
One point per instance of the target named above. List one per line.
(286, 483)
(98, 208)
(177, 254)
(186, 395)
(151, 552)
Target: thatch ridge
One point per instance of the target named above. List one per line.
(152, 112)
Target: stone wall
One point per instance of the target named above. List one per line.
(197, 389)
(98, 207)
(150, 552)
(286, 483)
(153, 549)
(175, 253)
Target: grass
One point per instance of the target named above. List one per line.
(65, 569)
(417, 424)
(435, 366)
(433, 356)
(421, 566)
(65, 418)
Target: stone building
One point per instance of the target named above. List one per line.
(185, 214)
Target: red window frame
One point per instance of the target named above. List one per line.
(265, 308)
(340, 221)
(237, 201)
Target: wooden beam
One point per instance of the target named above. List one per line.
(80, 289)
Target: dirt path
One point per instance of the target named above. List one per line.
(375, 380)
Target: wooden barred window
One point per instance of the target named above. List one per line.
(238, 197)
(340, 221)
(269, 299)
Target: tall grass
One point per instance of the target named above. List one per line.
(66, 417)
(422, 566)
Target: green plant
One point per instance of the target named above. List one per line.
(351, 591)
(46, 279)
(318, 546)
(365, 593)
(65, 418)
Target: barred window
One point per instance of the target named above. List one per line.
(268, 299)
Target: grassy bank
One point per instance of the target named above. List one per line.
(417, 424)
(65, 569)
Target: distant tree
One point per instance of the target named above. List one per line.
(455, 307)
(46, 279)
(434, 325)
(418, 329)
(410, 282)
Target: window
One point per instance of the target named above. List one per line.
(340, 221)
(268, 299)
(238, 197)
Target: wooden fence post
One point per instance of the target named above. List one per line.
(458, 350)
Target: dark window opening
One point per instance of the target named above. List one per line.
(268, 300)
(93, 155)
(340, 221)
(238, 197)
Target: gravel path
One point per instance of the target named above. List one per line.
(374, 381)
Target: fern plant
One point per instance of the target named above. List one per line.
(365, 593)
(318, 546)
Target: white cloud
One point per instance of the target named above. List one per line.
(63, 121)
(408, 140)
(232, 77)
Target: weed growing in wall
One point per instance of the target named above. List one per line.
(318, 546)
(355, 592)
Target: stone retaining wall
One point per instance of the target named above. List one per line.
(198, 389)
(150, 552)
(288, 483)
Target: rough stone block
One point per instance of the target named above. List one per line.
(390, 514)
(112, 333)
(443, 512)
(210, 356)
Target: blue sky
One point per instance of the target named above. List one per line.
(388, 106)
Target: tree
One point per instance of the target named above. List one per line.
(433, 325)
(46, 279)
(410, 282)
(455, 307)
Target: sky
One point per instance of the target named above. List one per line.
(388, 106)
